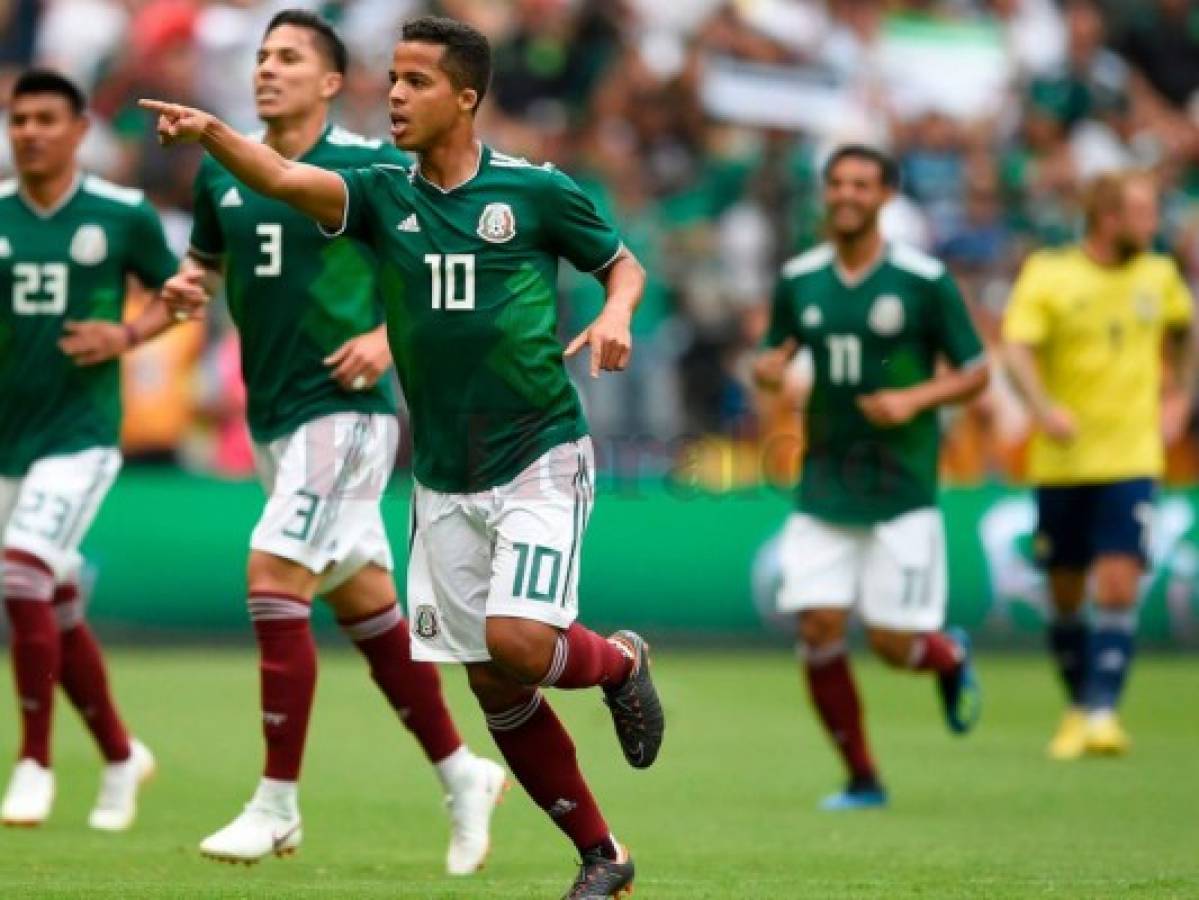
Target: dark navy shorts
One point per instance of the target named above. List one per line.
(1077, 523)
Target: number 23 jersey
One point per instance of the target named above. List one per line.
(469, 283)
(69, 263)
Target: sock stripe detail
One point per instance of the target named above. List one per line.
(264, 608)
(1124, 620)
(821, 656)
(373, 626)
(69, 613)
(511, 719)
(22, 581)
(558, 663)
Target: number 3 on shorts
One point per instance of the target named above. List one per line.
(536, 566)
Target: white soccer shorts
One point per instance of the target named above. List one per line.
(48, 511)
(893, 572)
(511, 551)
(325, 482)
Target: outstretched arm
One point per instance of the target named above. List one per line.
(316, 192)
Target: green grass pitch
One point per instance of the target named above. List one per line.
(728, 811)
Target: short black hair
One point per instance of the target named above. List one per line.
(327, 40)
(887, 167)
(467, 58)
(47, 81)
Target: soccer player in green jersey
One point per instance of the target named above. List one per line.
(68, 241)
(877, 319)
(325, 433)
(468, 242)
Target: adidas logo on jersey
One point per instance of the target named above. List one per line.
(409, 224)
(5, 248)
(232, 198)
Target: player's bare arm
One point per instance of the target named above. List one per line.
(90, 343)
(1179, 378)
(770, 366)
(189, 291)
(609, 336)
(316, 192)
(1020, 362)
(359, 363)
(891, 408)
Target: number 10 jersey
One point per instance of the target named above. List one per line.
(469, 282)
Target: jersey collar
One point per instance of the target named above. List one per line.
(853, 281)
(484, 158)
(51, 211)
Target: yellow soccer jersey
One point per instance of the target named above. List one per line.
(1098, 335)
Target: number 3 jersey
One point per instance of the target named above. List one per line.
(883, 331)
(69, 263)
(468, 277)
(295, 295)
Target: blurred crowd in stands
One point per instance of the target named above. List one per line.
(700, 126)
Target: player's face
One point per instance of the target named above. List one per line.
(1139, 215)
(853, 195)
(45, 134)
(425, 104)
(292, 77)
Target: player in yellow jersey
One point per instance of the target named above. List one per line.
(1084, 336)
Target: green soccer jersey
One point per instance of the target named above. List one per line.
(469, 279)
(295, 294)
(65, 264)
(883, 331)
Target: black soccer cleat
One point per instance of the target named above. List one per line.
(600, 877)
(635, 706)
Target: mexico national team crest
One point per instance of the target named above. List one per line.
(497, 225)
(89, 246)
(426, 622)
(886, 316)
(812, 317)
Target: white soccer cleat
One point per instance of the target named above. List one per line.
(29, 796)
(258, 832)
(116, 806)
(471, 804)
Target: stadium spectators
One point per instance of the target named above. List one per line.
(700, 124)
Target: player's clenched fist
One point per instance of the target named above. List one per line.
(186, 294)
(177, 124)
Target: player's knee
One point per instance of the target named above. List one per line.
(819, 628)
(1117, 582)
(522, 648)
(267, 573)
(493, 688)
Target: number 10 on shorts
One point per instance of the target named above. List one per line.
(536, 568)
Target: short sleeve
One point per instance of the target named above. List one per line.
(957, 337)
(358, 193)
(1027, 318)
(1179, 304)
(207, 241)
(782, 315)
(150, 257)
(577, 230)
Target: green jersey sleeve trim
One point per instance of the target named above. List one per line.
(345, 209)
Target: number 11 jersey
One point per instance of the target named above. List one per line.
(469, 282)
(881, 331)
